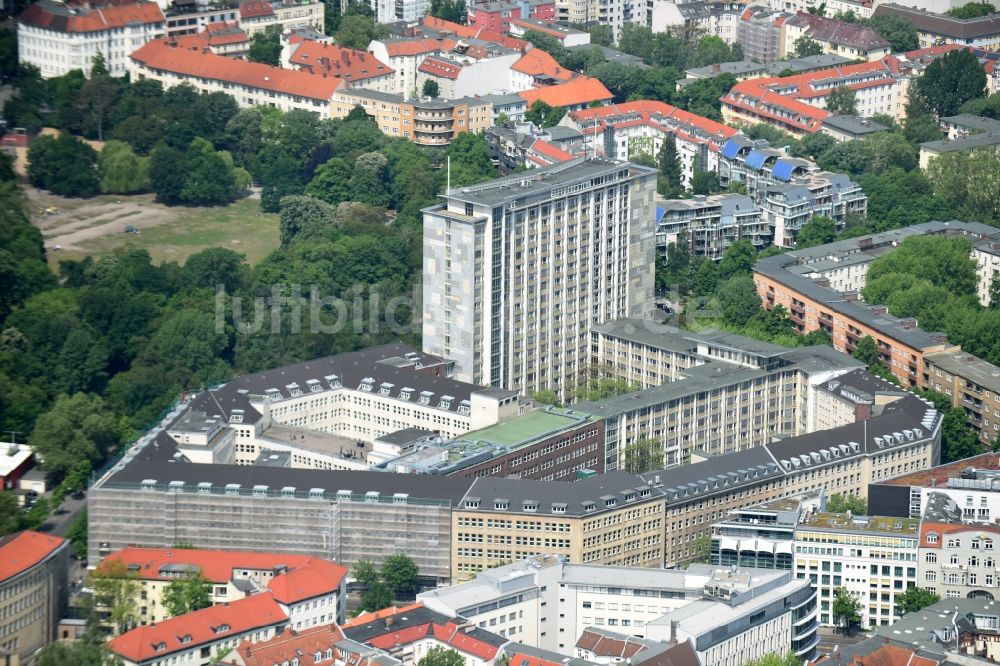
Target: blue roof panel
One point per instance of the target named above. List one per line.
(782, 170)
(730, 150)
(660, 212)
(756, 159)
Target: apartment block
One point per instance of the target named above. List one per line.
(360, 69)
(310, 590)
(901, 436)
(57, 38)
(256, 16)
(498, 14)
(625, 131)
(744, 615)
(518, 270)
(607, 519)
(758, 32)
(789, 191)
(425, 122)
(939, 28)
(874, 558)
(709, 225)
(710, 393)
(717, 18)
(34, 592)
(850, 40)
(957, 560)
(972, 384)
(819, 287)
(552, 604)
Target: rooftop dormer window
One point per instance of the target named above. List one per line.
(366, 384)
(425, 397)
(385, 389)
(236, 416)
(404, 393)
(501, 504)
(294, 390)
(445, 402)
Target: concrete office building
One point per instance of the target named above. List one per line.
(611, 519)
(518, 270)
(972, 384)
(761, 536)
(712, 392)
(33, 593)
(547, 602)
(743, 616)
(902, 435)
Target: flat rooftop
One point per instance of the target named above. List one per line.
(527, 428)
(841, 522)
(317, 441)
(969, 367)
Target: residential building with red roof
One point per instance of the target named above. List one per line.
(57, 38)
(408, 632)
(195, 637)
(795, 103)
(360, 69)
(405, 55)
(620, 131)
(851, 40)
(312, 591)
(497, 15)
(220, 38)
(468, 70)
(318, 646)
(249, 83)
(33, 591)
(523, 146)
(575, 94)
(538, 68)
(258, 15)
(566, 36)
(957, 554)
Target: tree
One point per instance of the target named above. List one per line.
(8, 513)
(449, 10)
(364, 572)
(431, 88)
(946, 84)
(896, 30)
(600, 388)
(400, 574)
(806, 47)
(705, 182)
(265, 47)
(962, 181)
(544, 115)
(79, 653)
(737, 260)
(63, 165)
(867, 351)
(78, 427)
(842, 101)
(305, 216)
(983, 106)
(441, 656)
(669, 181)
(957, 439)
(701, 548)
(122, 171)
(209, 178)
(846, 608)
(738, 300)
(995, 293)
(376, 597)
(972, 10)
(357, 31)
(643, 455)
(788, 659)
(842, 503)
(915, 599)
(190, 593)
(115, 593)
(470, 160)
(77, 535)
(546, 397)
(819, 230)
(166, 173)
(706, 278)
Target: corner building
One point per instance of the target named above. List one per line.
(518, 270)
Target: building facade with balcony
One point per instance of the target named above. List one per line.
(709, 225)
(957, 560)
(426, 122)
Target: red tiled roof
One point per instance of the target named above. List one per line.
(449, 633)
(657, 114)
(256, 9)
(23, 550)
(208, 625)
(526, 660)
(215, 34)
(472, 32)
(347, 64)
(884, 655)
(548, 150)
(581, 90)
(306, 577)
(91, 20)
(440, 68)
(290, 644)
(159, 54)
(412, 47)
(942, 529)
(537, 62)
